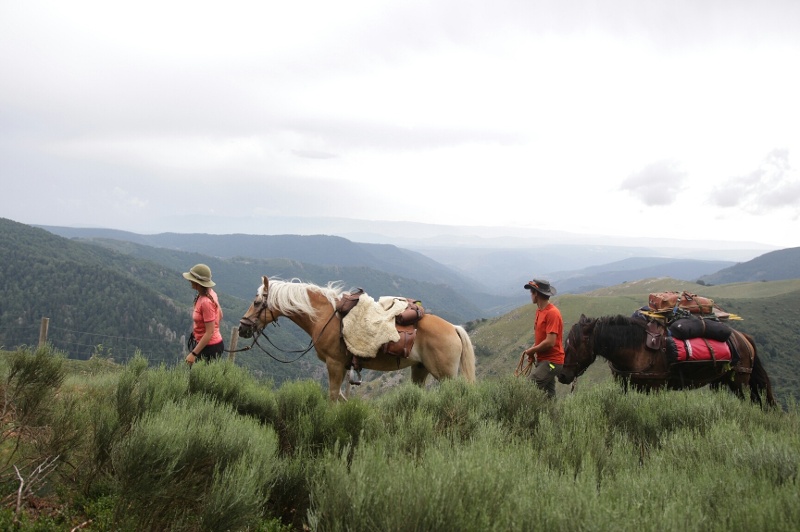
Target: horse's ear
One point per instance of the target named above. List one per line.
(265, 280)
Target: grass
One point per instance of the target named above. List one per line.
(211, 448)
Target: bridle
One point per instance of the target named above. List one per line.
(251, 324)
(579, 371)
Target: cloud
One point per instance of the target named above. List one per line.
(773, 185)
(312, 154)
(657, 184)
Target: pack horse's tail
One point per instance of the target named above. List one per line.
(467, 363)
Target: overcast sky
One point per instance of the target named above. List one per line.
(620, 117)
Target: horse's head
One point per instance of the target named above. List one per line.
(259, 315)
(578, 350)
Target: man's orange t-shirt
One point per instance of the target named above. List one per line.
(549, 320)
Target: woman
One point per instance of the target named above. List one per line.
(206, 316)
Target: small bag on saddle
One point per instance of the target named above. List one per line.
(402, 347)
(655, 335)
(405, 323)
(412, 314)
(347, 301)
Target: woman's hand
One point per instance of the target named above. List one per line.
(191, 358)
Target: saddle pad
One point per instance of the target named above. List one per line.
(695, 349)
(371, 324)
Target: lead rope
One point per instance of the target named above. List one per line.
(524, 366)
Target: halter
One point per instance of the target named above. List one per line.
(248, 322)
(585, 339)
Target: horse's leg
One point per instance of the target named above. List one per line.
(419, 374)
(336, 371)
(738, 383)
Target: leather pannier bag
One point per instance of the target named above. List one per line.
(684, 300)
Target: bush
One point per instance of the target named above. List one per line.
(194, 466)
(227, 383)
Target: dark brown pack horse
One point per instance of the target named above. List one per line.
(440, 349)
(621, 341)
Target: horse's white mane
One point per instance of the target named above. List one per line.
(291, 297)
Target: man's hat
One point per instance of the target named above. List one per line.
(200, 274)
(543, 287)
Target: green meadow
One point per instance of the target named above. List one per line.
(103, 447)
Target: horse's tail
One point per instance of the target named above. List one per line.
(467, 363)
(759, 380)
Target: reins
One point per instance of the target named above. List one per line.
(302, 352)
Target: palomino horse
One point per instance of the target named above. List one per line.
(440, 349)
(621, 341)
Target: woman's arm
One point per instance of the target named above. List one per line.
(191, 358)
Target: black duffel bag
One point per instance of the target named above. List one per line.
(686, 328)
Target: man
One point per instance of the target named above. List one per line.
(547, 351)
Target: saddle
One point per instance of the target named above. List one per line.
(404, 322)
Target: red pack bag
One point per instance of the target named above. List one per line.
(695, 349)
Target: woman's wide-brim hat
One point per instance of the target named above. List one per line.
(200, 274)
(543, 287)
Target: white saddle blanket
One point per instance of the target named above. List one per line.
(370, 324)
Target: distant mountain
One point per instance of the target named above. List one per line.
(572, 269)
(310, 249)
(772, 266)
(331, 256)
(619, 272)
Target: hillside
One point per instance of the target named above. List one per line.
(772, 266)
(92, 296)
(112, 297)
(770, 312)
(310, 249)
(241, 277)
(505, 269)
(631, 269)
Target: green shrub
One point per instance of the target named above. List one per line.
(291, 491)
(233, 385)
(455, 406)
(31, 381)
(141, 389)
(194, 465)
(514, 403)
(303, 422)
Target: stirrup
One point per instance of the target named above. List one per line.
(355, 377)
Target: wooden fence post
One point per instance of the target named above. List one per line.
(234, 340)
(43, 331)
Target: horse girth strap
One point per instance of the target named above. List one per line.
(640, 374)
